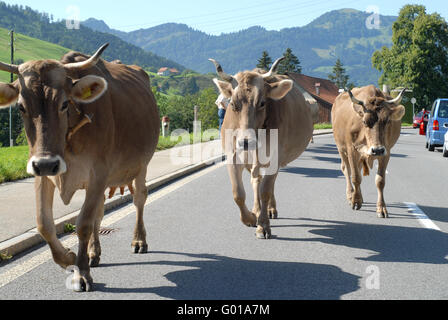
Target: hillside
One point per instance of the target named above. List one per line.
(27, 48)
(29, 22)
(340, 33)
(188, 82)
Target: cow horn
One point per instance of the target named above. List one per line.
(11, 68)
(354, 100)
(92, 61)
(273, 68)
(224, 75)
(398, 99)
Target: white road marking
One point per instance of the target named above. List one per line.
(32, 263)
(421, 216)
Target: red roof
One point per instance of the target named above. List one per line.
(328, 90)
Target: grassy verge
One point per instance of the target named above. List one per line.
(13, 160)
(320, 126)
(13, 163)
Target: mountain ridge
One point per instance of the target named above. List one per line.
(335, 34)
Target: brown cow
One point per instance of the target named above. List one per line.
(366, 125)
(90, 125)
(262, 103)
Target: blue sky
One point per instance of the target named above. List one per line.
(215, 17)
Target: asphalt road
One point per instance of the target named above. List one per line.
(321, 249)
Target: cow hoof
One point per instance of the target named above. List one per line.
(82, 284)
(249, 220)
(273, 214)
(356, 205)
(139, 248)
(382, 213)
(263, 233)
(94, 262)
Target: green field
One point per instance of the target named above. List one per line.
(27, 48)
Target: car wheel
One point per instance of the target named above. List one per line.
(445, 152)
(431, 148)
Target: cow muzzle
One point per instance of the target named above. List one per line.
(247, 144)
(378, 151)
(46, 166)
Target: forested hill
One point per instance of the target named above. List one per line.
(336, 34)
(38, 25)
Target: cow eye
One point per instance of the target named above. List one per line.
(262, 105)
(64, 106)
(21, 108)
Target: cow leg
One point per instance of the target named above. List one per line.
(356, 198)
(139, 244)
(255, 180)
(82, 280)
(380, 184)
(272, 208)
(267, 191)
(239, 194)
(45, 222)
(94, 248)
(345, 167)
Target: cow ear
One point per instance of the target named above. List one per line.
(224, 87)
(89, 89)
(358, 109)
(398, 113)
(8, 94)
(279, 90)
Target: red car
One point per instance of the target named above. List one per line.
(419, 118)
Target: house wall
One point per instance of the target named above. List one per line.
(324, 113)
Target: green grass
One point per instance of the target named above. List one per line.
(13, 163)
(69, 228)
(27, 49)
(320, 126)
(5, 257)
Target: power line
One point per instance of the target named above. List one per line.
(229, 14)
(249, 23)
(272, 13)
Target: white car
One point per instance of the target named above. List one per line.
(445, 146)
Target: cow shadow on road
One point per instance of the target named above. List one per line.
(390, 242)
(215, 277)
(313, 172)
(324, 149)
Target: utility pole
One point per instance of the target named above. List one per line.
(12, 80)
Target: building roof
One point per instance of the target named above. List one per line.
(328, 90)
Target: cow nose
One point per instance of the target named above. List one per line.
(247, 144)
(46, 167)
(378, 151)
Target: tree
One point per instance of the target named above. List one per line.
(265, 61)
(290, 64)
(338, 77)
(418, 58)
